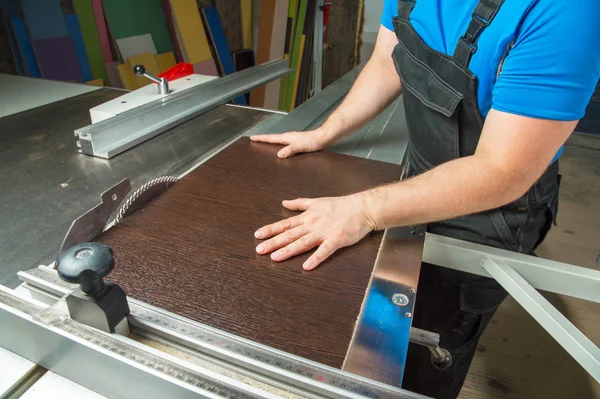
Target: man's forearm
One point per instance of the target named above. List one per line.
(460, 187)
(375, 88)
(512, 153)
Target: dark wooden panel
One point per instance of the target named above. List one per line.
(192, 250)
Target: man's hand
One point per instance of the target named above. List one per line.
(375, 88)
(327, 223)
(295, 142)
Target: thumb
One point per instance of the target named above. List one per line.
(286, 151)
(299, 204)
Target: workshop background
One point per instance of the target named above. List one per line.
(96, 42)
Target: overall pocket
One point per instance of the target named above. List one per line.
(432, 106)
(478, 305)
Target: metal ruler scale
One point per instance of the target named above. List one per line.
(86, 349)
(238, 352)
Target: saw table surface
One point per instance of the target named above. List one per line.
(191, 251)
(46, 183)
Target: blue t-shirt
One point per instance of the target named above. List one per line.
(538, 58)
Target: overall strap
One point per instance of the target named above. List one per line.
(483, 15)
(405, 7)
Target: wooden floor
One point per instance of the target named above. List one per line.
(516, 357)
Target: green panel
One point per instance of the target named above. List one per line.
(295, 52)
(128, 18)
(89, 31)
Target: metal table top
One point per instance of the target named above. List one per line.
(46, 183)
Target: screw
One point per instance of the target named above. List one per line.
(408, 314)
(400, 299)
(412, 290)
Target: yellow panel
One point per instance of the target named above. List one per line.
(96, 82)
(165, 61)
(191, 31)
(149, 62)
(246, 10)
(127, 77)
(298, 68)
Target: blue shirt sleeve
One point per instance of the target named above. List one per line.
(390, 10)
(554, 65)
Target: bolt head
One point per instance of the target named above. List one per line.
(408, 314)
(400, 299)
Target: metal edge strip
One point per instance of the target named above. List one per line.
(382, 332)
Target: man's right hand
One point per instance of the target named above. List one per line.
(295, 142)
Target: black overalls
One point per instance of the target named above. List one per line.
(444, 123)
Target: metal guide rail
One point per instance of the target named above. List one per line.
(115, 135)
(216, 361)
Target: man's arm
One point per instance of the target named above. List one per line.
(375, 88)
(513, 153)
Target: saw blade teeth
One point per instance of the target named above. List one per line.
(137, 193)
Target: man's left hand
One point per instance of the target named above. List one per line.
(328, 223)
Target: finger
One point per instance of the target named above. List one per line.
(299, 204)
(277, 228)
(326, 249)
(287, 151)
(301, 245)
(281, 240)
(271, 138)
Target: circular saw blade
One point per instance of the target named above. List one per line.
(142, 195)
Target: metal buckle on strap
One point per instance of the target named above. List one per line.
(493, 5)
(484, 22)
(469, 43)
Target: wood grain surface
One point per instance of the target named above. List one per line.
(192, 251)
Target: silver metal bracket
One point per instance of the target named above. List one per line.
(380, 342)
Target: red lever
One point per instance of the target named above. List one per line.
(178, 71)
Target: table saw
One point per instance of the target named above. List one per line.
(128, 264)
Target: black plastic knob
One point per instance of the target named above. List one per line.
(139, 69)
(87, 264)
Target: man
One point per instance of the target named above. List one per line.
(492, 90)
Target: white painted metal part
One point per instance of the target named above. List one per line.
(558, 326)
(521, 275)
(144, 95)
(542, 274)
